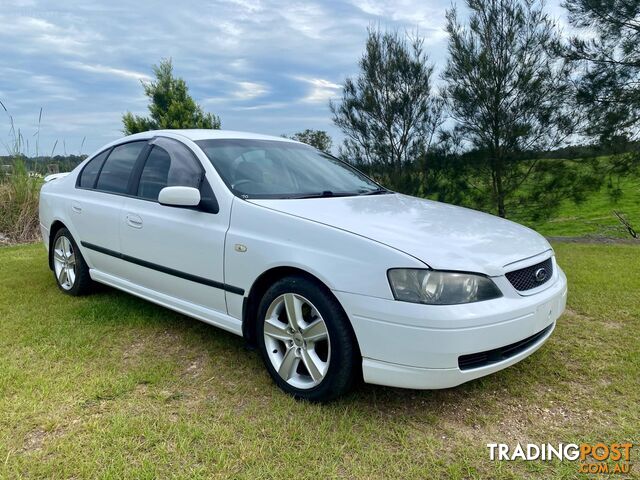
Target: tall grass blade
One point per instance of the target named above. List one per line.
(55, 144)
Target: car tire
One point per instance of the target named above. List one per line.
(315, 355)
(69, 267)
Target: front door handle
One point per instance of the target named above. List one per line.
(134, 220)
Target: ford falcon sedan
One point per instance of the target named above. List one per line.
(331, 276)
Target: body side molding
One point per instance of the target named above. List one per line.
(163, 269)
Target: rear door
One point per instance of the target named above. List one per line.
(97, 201)
(171, 250)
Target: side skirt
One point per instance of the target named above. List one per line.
(212, 317)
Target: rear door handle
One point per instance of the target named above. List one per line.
(76, 207)
(134, 220)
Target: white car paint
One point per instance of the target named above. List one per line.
(348, 243)
(443, 236)
(53, 176)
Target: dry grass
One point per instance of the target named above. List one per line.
(19, 192)
(19, 195)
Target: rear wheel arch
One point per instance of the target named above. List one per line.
(55, 227)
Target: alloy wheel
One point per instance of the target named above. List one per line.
(297, 341)
(64, 262)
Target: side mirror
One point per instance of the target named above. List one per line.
(179, 197)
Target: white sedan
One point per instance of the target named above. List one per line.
(330, 275)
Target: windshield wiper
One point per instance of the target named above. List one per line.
(330, 193)
(326, 193)
(378, 191)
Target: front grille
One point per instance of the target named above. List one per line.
(482, 359)
(531, 277)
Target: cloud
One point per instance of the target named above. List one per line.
(321, 90)
(251, 6)
(29, 34)
(308, 18)
(28, 87)
(240, 64)
(419, 14)
(104, 70)
(264, 106)
(250, 90)
(264, 65)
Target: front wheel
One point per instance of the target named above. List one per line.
(306, 340)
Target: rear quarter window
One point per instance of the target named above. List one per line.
(114, 176)
(91, 169)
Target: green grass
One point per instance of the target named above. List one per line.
(111, 386)
(594, 216)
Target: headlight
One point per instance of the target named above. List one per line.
(440, 288)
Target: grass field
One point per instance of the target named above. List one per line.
(111, 386)
(594, 217)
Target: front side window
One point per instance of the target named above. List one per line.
(114, 176)
(91, 170)
(169, 164)
(275, 169)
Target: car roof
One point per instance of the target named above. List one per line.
(194, 134)
(209, 134)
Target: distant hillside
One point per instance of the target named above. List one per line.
(589, 151)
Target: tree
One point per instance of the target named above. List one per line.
(609, 88)
(388, 112)
(170, 105)
(508, 94)
(316, 138)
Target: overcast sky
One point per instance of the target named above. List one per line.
(264, 66)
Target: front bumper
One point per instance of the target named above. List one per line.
(418, 346)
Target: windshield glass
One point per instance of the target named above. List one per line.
(273, 169)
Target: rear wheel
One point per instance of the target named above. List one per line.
(69, 268)
(306, 340)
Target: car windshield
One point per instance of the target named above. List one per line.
(280, 169)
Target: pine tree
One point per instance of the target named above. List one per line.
(170, 105)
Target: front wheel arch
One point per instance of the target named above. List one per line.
(335, 367)
(259, 288)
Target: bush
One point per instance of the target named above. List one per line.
(19, 195)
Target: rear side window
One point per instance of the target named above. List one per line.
(169, 164)
(114, 176)
(91, 170)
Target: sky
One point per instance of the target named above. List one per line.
(264, 66)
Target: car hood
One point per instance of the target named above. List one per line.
(443, 236)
